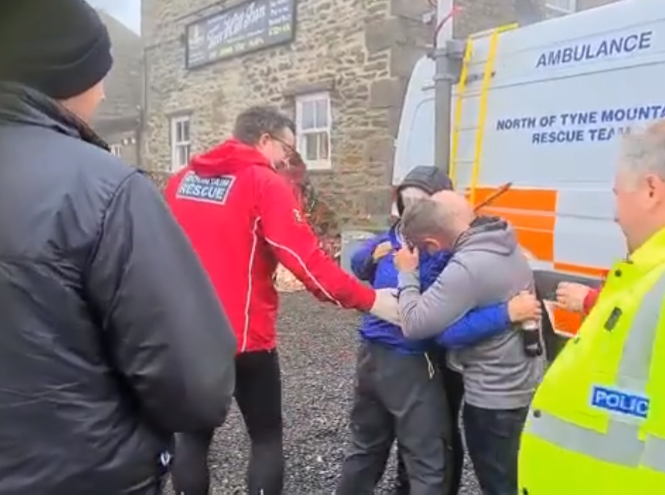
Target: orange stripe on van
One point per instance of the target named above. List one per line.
(532, 214)
(523, 220)
(543, 200)
(540, 244)
(585, 270)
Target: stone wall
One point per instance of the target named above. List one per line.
(117, 119)
(159, 177)
(361, 51)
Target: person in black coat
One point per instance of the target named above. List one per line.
(112, 336)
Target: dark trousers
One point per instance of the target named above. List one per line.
(493, 438)
(259, 396)
(397, 396)
(453, 385)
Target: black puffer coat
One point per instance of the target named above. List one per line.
(111, 337)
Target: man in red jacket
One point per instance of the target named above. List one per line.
(243, 219)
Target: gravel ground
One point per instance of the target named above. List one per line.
(317, 352)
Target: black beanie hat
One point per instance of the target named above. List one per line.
(59, 47)
(428, 178)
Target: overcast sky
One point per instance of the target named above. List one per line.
(126, 11)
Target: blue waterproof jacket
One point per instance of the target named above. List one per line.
(475, 326)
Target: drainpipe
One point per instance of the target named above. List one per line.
(142, 110)
(446, 55)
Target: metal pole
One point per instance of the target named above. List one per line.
(443, 92)
(443, 87)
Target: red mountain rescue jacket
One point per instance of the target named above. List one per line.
(243, 219)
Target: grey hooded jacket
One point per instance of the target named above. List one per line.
(487, 267)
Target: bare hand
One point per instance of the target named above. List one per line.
(524, 307)
(386, 306)
(407, 260)
(571, 295)
(382, 250)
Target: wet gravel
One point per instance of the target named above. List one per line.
(317, 351)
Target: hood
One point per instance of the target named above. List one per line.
(426, 177)
(227, 158)
(489, 234)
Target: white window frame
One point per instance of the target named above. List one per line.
(301, 101)
(116, 150)
(176, 144)
(561, 7)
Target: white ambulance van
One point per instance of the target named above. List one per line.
(548, 118)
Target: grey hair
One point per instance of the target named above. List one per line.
(644, 152)
(426, 218)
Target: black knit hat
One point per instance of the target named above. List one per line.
(428, 178)
(59, 47)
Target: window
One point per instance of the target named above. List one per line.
(313, 124)
(180, 142)
(561, 6)
(116, 150)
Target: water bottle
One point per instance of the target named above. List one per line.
(533, 345)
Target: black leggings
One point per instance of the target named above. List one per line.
(259, 396)
(454, 386)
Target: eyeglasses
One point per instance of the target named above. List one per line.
(288, 149)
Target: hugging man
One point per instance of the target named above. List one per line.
(401, 393)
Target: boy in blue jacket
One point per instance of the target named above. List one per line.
(400, 390)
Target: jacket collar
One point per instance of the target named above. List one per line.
(648, 256)
(228, 158)
(638, 264)
(25, 106)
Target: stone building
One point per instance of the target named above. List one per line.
(340, 67)
(118, 119)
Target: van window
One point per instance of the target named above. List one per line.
(420, 148)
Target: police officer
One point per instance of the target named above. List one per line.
(597, 422)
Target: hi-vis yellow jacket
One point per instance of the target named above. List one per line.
(597, 422)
